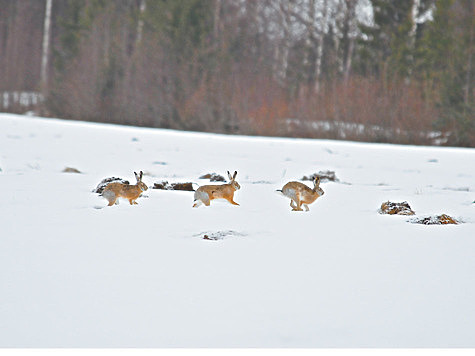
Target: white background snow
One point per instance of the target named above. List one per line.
(341, 275)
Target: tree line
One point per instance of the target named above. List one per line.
(373, 70)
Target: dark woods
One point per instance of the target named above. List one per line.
(369, 70)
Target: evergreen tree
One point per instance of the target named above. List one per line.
(445, 61)
(380, 40)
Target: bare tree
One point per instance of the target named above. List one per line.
(45, 47)
(216, 20)
(314, 18)
(142, 8)
(349, 34)
(284, 8)
(319, 56)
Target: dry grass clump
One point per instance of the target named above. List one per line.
(213, 177)
(174, 186)
(100, 187)
(325, 176)
(71, 170)
(443, 219)
(219, 235)
(396, 208)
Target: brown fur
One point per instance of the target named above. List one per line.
(300, 194)
(224, 191)
(116, 190)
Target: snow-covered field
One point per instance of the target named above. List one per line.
(75, 273)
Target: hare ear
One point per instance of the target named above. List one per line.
(317, 181)
(141, 175)
(229, 176)
(235, 174)
(137, 177)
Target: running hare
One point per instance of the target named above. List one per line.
(115, 190)
(300, 194)
(206, 193)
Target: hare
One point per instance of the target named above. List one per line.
(115, 190)
(206, 193)
(300, 194)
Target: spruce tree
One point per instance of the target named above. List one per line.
(445, 62)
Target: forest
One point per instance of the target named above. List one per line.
(363, 70)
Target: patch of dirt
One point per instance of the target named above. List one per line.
(174, 186)
(443, 219)
(262, 182)
(219, 235)
(457, 189)
(325, 176)
(213, 177)
(100, 187)
(71, 170)
(396, 208)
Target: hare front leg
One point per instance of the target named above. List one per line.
(232, 201)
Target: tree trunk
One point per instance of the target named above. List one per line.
(319, 56)
(143, 6)
(414, 14)
(349, 34)
(216, 21)
(45, 49)
(412, 37)
(309, 39)
(285, 8)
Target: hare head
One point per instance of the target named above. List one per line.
(316, 186)
(232, 181)
(143, 187)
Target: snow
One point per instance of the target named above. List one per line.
(76, 273)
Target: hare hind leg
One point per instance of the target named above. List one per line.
(297, 208)
(201, 198)
(111, 197)
(294, 199)
(196, 203)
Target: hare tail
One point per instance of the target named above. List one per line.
(109, 195)
(201, 197)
